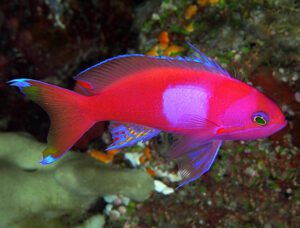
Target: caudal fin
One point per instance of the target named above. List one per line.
(67, 111)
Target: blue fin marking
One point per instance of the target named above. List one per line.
(48, 160)
(195, 163)
(125, 134)
(209, 63)
(209, 160)
(20, 82)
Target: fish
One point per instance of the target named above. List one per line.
(193, 98)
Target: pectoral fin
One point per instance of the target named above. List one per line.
(195, 159)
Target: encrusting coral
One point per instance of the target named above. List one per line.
(66, 188)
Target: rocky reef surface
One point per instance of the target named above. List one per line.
(60, 193)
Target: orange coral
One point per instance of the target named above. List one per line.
(214, 2)
(164, 38)
(142, 160)
(151, 171)
(203, 3)
(113, 152)
(153, 51)
(103, 157)
(190, 11)
(147, 153)
(164, 47)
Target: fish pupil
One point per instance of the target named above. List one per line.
(260, 120)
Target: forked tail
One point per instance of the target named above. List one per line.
(68, 112)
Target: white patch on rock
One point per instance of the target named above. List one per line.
(110, 198)
(133, 158)
(162, 188)
(96, 221)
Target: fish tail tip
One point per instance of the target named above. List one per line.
(48, 160)
(20, 82)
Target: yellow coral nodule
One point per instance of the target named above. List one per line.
(153, 51)
(173, 50)
(203, 3)
(214, 2)
(190, 11)
(189, 28)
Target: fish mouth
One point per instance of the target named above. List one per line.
(256, 133)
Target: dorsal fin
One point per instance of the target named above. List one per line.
(209, 63)
(101, 75)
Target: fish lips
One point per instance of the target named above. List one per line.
(253, 133)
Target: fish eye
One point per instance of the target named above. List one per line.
(260, 118)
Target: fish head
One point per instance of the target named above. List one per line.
(251, 117)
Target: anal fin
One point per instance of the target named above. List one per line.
(128, 134)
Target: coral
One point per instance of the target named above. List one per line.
(190, 11)
(164, 47)
(164, 38)
(104, 157)
(173, 50)
(31, 192)
(96, 221)
(88, 177)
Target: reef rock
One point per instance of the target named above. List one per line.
(66, 188)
